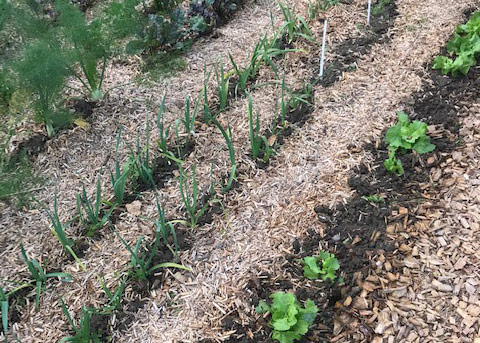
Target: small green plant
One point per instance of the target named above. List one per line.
(227, 135)
(222, 87)
(164, 133)
(58, 230)
(166, 228)
(207, 112)
(380, 7)
(115, 297)
(87, 45)
(4, 307)
(404, 136)
(191, 201)
(189, 118)
(258, 143)
(141, 262)
(243, 75)
(328, 269)
(376, 199)
(464, 47)
(17, 177)
(83, 332)
(294, 26)
(40, 276)
(119, 179)
(43, 70)
(140, 166)
(290, 321)
(89, 213)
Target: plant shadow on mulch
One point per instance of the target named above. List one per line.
(357, 230)
(347, 53)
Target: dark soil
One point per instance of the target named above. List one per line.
(99, 326)
(347, 53)
(80, 246)
(32, 146)
(356, 230)
(83, 107)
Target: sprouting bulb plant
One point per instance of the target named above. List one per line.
(405, 136)
(40, 276)
(326, 270)
(290, 321)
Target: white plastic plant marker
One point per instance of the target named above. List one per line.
(369, 12)
(324, 41)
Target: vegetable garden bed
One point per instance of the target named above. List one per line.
(174, 228)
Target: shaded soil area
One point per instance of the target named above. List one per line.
(347, 53)
(359, 229)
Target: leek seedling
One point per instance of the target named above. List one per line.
(222, 87)
(163, 227)
(227, 135)
(189, 119)
(140, 162)
(83, 332)
(191, 200)
(115, 298)
(259, 144)
(89, 213)
(59, 231)
(207, 113)
(243, 74)
(4, 308)
(164, 133)
(284, 104)
(120, 178)
(294, 26)
(40, 276)
(140, 264)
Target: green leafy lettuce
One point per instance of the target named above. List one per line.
(463, 48)
(290, 321)
(406, 135)
(328, 269)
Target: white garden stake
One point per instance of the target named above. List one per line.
(369, 12)
(324, 40)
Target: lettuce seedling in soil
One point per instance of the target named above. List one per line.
(405, 136)
(290, 321)
(463, 49)
(328, 269)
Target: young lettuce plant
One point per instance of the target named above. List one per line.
(87, 45)
(404, 136)
(258, 143)
(290, 321)
(89, 213)
(40, 276)
(328, 269)
(191, 201)
(463, 48)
